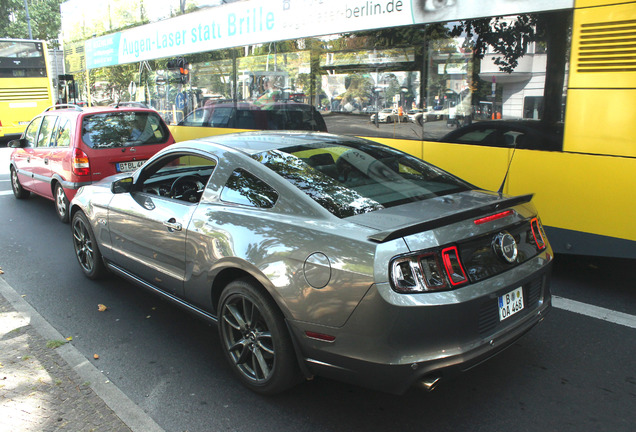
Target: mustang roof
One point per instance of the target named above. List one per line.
(262, 141)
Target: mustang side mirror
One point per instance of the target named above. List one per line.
(17, 143)
(122, 185)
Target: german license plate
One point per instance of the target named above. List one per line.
(510, 303)
(129, 166)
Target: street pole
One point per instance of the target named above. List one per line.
(26, 8)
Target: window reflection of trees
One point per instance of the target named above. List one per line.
(279, 248)
(245, 188)
(325, 190)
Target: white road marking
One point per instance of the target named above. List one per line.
(6, 192)
(594, 311)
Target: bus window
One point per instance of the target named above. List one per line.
(477, 79)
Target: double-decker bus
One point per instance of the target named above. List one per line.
(25, 88)
(517, 96)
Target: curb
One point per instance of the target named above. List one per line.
(131, 414)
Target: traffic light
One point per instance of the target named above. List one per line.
(180, 65)
(185, 73)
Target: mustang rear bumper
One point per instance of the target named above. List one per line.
(421, 342)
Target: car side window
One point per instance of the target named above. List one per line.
(221, 117)
(181, 177)
(62, 135)
(46, 131)
(197, 118)
(32, 132)
(247, 189)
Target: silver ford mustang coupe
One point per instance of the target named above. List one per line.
(319, 254)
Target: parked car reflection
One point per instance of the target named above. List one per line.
(522, 134)
(246, 115)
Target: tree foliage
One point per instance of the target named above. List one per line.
(509, 39)
(44, 16)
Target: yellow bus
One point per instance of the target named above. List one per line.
(25, 88)
(520, 96)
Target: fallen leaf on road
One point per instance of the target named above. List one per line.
(70, 338)
(96, 356)
(101, 307)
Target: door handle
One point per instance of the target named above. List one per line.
(172, 225)
(46, 161)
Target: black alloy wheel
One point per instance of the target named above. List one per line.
(86, 249)
(255, 339)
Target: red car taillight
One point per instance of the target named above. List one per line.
(81, 165)
(431, 271)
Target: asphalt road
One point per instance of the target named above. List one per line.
(573, 372)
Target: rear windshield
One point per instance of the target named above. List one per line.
(354, 177)
(121, 129)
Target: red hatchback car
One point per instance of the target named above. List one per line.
(67, 147)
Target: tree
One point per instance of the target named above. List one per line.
(118, 79)
(45, 20)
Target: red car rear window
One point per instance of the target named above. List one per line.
(121, 129)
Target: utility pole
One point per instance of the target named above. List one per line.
(26, 8)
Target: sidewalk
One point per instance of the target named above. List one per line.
(50, 389)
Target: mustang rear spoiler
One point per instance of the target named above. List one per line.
(385, 236)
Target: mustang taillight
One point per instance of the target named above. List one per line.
(430, 271)
(453, 266)
(433, 276)
(537, 233)
(81, 166)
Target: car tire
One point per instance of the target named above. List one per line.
(255, 339)
(18, 191)
(86, 249)
(61, 203)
